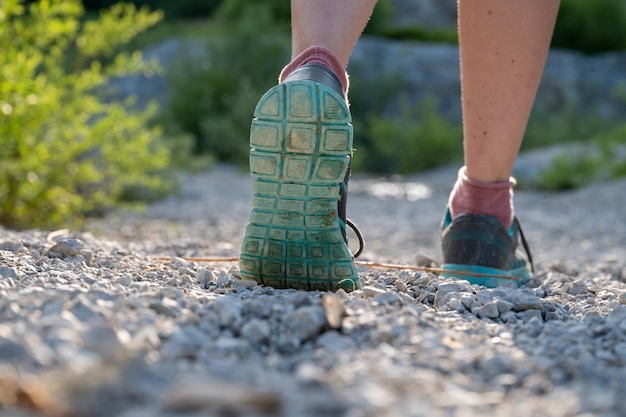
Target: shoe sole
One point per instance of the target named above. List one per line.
(517, 277)
(301, 144)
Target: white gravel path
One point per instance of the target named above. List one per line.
(92, 324)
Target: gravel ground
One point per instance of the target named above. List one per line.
(112, 321)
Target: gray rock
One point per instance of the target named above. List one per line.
(223, 278)
(524, 299)
(306, 322)
(105, 341)
(163, 309)
(534, 326)
(11, 351)
(456, 305)
(467, 300)
(425, 13)
(335, 342)
(66, 248)
(260, 306)
(83, 310)
(489, 310)
(8, 273)
(124, 280)
(256, 331)
(388, 298)
(370, 291)
(503, 306)
(447, 291)
(53, 306)
(229, 312)
(298, 299)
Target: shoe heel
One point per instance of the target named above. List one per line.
(301, 142)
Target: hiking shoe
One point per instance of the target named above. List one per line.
(301, 149)
(478, 249)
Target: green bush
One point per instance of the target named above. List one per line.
(417, 140)
(591, 26)
(172, 9)
(63, 151)
(213, 93)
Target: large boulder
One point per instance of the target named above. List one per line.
(426, 13)
(591, 84)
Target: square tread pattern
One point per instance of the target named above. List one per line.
(300, 148)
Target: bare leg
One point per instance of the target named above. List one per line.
(504, 45)
(333, 24)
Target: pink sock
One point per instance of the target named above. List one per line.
(318, 55)
(485, 198)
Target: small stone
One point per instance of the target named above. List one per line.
(446, 288)
(83, 309)
(622, 298)
(524, 299)
(620, 352)
(334, 310)
(489, 310)
(66, 248)
(286, 344)
(223, 278)
(8, 273)
(260, 306)
(509, 317)
(298, 299)
(125, 280)
(256, 331)
(161, 308)
(534, 326)
(401, 286)
(425, 261)
(467, 300)
(388, 298)
(335, 342)
(53, 307)
(503, 306)
(11, 246)
(87, 255)
(218, 397)
(229, 312)
(245, 283)
(105, 341)
(11, 351)
(456, 305)
(206, 276)
(370, 291)
(306, 322)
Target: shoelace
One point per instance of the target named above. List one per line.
(524, 244)
(359, 236)
(341, 210)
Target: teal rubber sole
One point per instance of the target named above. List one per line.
(483, 275)
(301, 144)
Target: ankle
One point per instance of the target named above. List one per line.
(319, 55)
(470, 196)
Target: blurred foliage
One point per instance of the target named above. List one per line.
(591, 26)
(214, 89)
(416, 140)
(64, 152)
(604, 157)
(172, 8)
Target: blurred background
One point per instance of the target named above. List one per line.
(103, 103)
